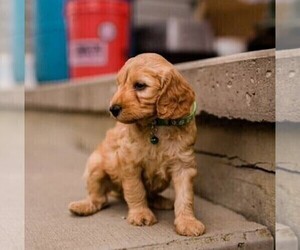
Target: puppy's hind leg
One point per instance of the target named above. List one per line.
(98, 183)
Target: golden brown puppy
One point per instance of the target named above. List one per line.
(138, 158)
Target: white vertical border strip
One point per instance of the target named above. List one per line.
(12, 144)
(287, 125)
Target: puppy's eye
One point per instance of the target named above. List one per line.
(139, 86)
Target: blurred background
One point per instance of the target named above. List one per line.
(70, 39)
(57, 41)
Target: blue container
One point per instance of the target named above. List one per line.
(18, 40)
(50, 41)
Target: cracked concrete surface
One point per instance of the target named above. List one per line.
(248, 191)
(240, 141)
(236, 162)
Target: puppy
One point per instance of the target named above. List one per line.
(150, 146)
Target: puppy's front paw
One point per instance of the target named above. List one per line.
(189, 226)
(141, 217)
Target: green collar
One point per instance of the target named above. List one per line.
(177, 122)
(170, 122)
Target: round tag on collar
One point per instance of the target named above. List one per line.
(154, 140)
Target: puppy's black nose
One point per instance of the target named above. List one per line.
(115, 110)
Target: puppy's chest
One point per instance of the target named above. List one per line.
(161, 154)
(157, 162)
(158, 165)
(156, 173)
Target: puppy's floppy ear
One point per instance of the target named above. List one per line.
(176, 97)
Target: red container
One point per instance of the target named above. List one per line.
(98, 36)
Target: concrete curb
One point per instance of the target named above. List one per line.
(243, 88)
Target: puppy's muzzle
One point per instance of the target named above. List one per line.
(115, 110)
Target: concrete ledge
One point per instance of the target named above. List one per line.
(239, 86)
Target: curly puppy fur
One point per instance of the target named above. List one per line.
(128, 163)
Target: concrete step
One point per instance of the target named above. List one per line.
(53, 228)
(53, 178)
(236, 159)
